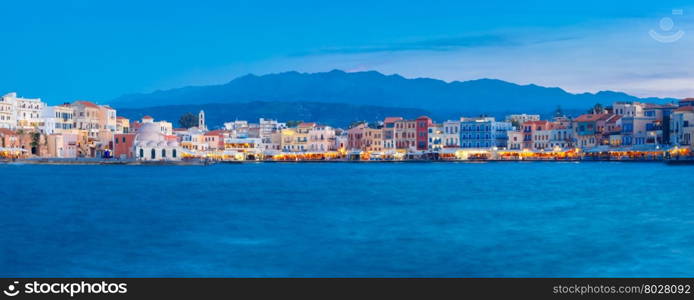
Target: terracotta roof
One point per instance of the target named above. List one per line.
(214, 132)
(121, 118)
(87, 104)
(147, 117)
(685, 108)
(392, 119)
(666, 105)
(614, 119)
(307, 124)
(593, 117)
(7, 131)
(541, 122)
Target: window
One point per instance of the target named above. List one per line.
(163, 153)
(142, 153)
(154, 154)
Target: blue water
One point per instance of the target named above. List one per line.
(348, 219)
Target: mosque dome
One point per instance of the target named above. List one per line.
(149, 135)
(149, 132)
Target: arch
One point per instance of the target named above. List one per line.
(163, 153)
(154, 153)
(173, 153)
(142, 153)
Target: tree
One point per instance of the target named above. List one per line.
(293, 123)
(597, 109)
(188, 120)
(356, 123)
(35, 142)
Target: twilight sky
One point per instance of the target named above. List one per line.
(97, 50)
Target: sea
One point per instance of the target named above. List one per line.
(489, 219)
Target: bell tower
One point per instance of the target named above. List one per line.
(201, 120)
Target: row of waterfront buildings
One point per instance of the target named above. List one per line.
(30, 128)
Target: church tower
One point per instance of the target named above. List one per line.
(201, 120)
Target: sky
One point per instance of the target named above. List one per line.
(66, 50)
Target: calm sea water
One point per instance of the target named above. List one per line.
(348, 219)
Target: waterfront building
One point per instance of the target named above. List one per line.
(483, 132)
(373, 140)
(515, 140)
(123, 145)
(269, 126)
(435, 137)
(321, 138)
(389, 143)
(107, 119)
(406, 135)
(686, 102)
(422, 140)
(529, 128)
(635, 130)
(628, 109)
(58, 119)
(20, 113)
(86, 118)
(592, 130)
(356, 137)
(341, 140)
(682, 126)
(63, 145)
(269, 131)
(550, 136)
(521, 118)
(9, 139)
(123, 125)
(297, 139)
(243, 148)
(660, 128)
(151, 144)
(7, 118)
(215, 139)
(451, 134)
(192, 139)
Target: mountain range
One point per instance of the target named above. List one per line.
(352, 91)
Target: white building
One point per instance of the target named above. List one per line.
(515, 140)
(20, 113)
(151, 145)
(435, 137)
(451, 134)
(682, 126)
(522, 118)
(321, 138)
(58, 119)
(628, 109)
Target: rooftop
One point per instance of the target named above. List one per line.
(87, 103)
(593, 117)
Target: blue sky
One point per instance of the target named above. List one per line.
(97, 50)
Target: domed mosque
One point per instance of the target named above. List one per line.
(151, 145)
